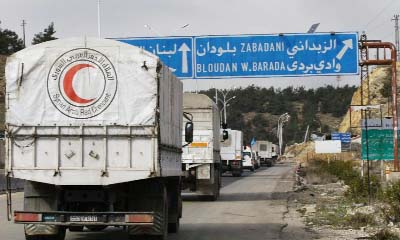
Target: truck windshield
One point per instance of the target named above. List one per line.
(246, 154)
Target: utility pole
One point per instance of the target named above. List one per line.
(396, 33)
(23, 31)
(224, 102)
(98, 19)
(281, 121)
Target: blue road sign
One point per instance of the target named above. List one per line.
(343, 137)
(175, 52)
(235, 56)
(276, 55)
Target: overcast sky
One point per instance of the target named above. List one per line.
(126, 18)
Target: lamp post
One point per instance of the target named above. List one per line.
(281, 121)
(98, 19)
(225, 100)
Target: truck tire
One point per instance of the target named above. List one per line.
(76, 228)
(236, 173)
(149, 196)
(41, 197)
(174, 204)
(174, 227)
(252, 169)
(215, 187)
(219, 183)
(59, 236)
(96, 228)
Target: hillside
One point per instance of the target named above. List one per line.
(256, 110)
(380, 93)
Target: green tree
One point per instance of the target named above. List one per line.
(46, 35)
(9, 42)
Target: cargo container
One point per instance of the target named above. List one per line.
(201, 160)
(264, 151)
(94, 126)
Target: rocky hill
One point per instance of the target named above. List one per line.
(379, 94)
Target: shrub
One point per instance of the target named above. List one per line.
(385, 234)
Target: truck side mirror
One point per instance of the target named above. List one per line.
(225, 135)
(189, 132)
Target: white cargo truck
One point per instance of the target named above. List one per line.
(264, 151)
(231, 152)
(94, 126)
(201, 160)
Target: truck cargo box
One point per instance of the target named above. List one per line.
(231, 148)
(85, 111)
(205, 147)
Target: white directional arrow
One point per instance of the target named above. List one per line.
(184, 49)
(347, 44)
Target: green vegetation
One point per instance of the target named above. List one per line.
(344, 210)
(391, 196)
(343, 170)
(46, 35)
(9, 42)
(255, 110)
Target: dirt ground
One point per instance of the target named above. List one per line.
(328, 214)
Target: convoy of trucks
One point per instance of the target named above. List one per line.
(103, 135)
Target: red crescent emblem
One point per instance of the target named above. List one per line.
(67, 84)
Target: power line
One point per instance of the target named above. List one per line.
(376, 16)
(378, 25)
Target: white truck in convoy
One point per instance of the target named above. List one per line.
(249, 161)
(264, 151)
(201, 160)
(231, 152)
(94, 126)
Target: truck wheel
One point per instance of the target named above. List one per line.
(59, 236)
(173, 227)
(252, 169)
(174, 204)
(215, 187)
(237, 174)
(76, 228)
(219, 184)
(96, 228)
(149, 196)
(41, 197)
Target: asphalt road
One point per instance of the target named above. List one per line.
(250, 207)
